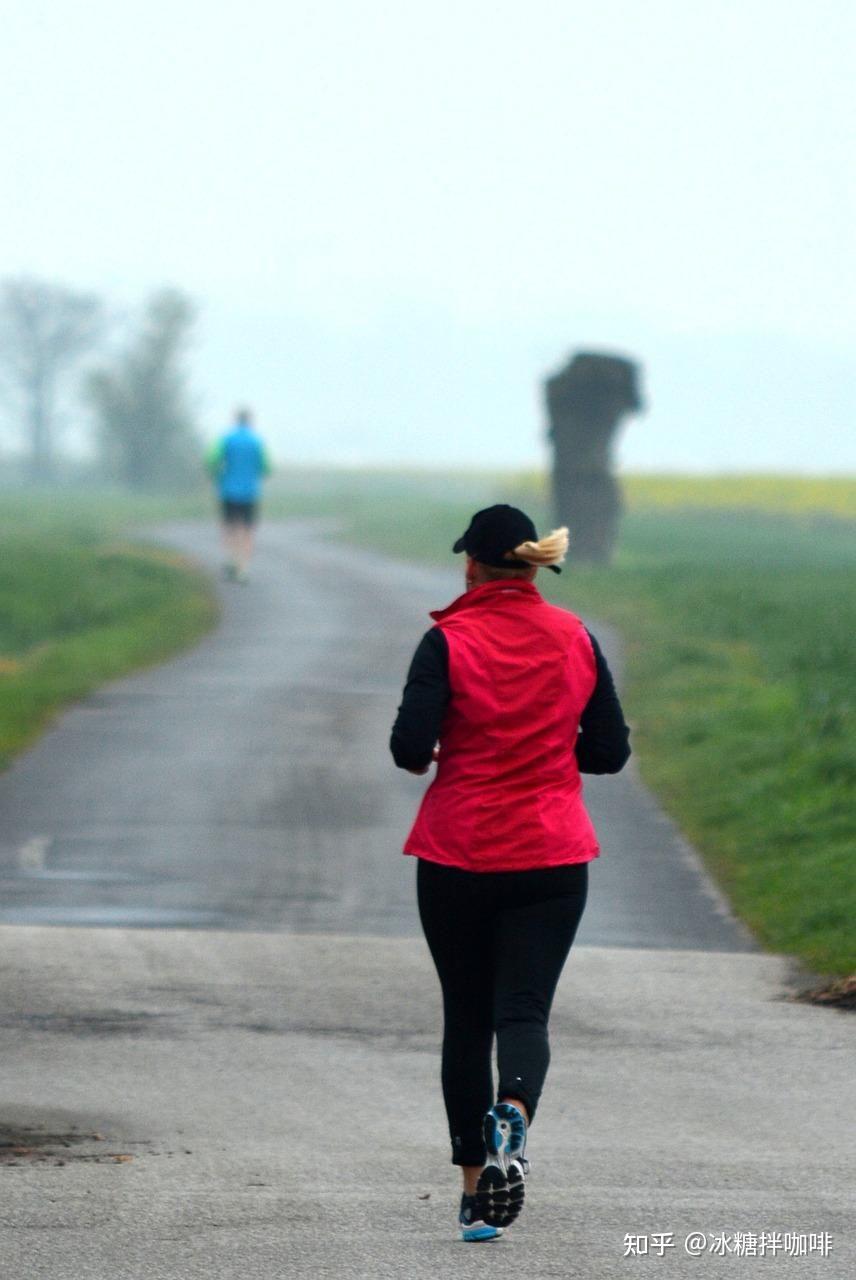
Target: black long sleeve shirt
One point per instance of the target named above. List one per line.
(602, 742)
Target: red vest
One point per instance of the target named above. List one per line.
(508, 795)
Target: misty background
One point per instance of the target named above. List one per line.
(394, 219)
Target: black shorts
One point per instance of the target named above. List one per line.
(238, 512)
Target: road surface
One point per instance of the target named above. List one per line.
(248, 783)
(219, 1029)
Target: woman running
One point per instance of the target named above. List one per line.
(518, 696)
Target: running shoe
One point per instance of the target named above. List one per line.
(500, 1190)
(473, 1230)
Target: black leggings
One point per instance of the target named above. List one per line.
(499, 940)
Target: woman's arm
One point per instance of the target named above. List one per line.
(423, 705)
(602, 744)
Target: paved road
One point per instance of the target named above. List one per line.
(255, 1093)
(248, 783)
(278, 1095)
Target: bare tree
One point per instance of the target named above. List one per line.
(145, 424)
(45, 329)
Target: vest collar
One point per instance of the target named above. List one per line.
(516, 589)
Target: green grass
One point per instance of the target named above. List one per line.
(79, 606)
(739, 626)
(739, 641)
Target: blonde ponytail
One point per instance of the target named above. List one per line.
(546, 551)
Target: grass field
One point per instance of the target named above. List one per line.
(739, 622)
(739, 640)
(79, 605)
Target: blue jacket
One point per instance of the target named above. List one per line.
(239, 462)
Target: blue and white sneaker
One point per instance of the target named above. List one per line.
(473, 1229)
(500, 1190)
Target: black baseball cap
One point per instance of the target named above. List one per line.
(496, 530)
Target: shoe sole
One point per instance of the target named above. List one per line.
(501, 1191)
(504, 1132)
(500, 1194)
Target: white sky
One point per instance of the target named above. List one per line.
(398, 216)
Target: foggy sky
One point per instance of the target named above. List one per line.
(399, 216)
